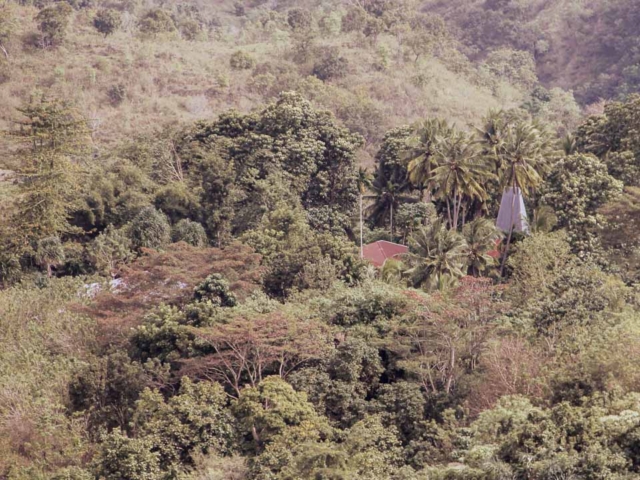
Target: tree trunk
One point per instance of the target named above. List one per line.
(452, 363)
(361, 230)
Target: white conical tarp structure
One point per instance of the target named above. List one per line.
(512, 212)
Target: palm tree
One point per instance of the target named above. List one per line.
(523, 159)
(423, 147)
(392, 271)
(364, 183)
(482, 237)
(569, 144)
(387, 195)
(491, 134)
(459, 174)
(438, 257)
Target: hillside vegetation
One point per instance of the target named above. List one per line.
(185, 191)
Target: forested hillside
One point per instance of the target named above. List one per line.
(186, 192)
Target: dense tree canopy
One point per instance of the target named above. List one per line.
(196, 199)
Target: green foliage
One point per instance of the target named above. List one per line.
(149, 229)
(428, 32)
(8, 26)
(43, 339)
(51, 135)
(124, 457)
(299, 19)
(215, 289)
(191, 30)
(195, 421)
(107, 21)
(49, 253)
(106, 390)
(482, 237)
(341, 387)
(324, 370)
(265, 411)
(612, 138)
(518, 67)
(189, 231)
(110, 249)
(577, 187)
(438, 257)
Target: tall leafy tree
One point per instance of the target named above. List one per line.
(387, 197)
(578, 186)
(52, 136)
(422, 150)
(391, 184)
(458, 175)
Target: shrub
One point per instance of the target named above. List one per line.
(215, 289)
(107, 21)
(241, 61)
(190, 30)
(155, 22)
(117, 94)
(355, 20)
(189, 231)
(49, 253)
(53, 22)
(149, 229)
(196, 421)
(332, 65)
(299, 19)
(110, 249)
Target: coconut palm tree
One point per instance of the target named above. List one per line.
(482, 237)
(523, 159)
(387, 196)
(422, 150)
(459, 174)
(365, 180)
(491, 134)
(438, 257)
(392, 271)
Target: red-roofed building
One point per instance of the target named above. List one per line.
(380, 251)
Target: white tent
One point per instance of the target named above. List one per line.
(512, 212)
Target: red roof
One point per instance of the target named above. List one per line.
(495, 253)
(380, 251)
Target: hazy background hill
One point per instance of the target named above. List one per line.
(395, 64)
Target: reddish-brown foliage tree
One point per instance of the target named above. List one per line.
(446, 335)
(170, 277)
(247, 349)
(511, 366)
